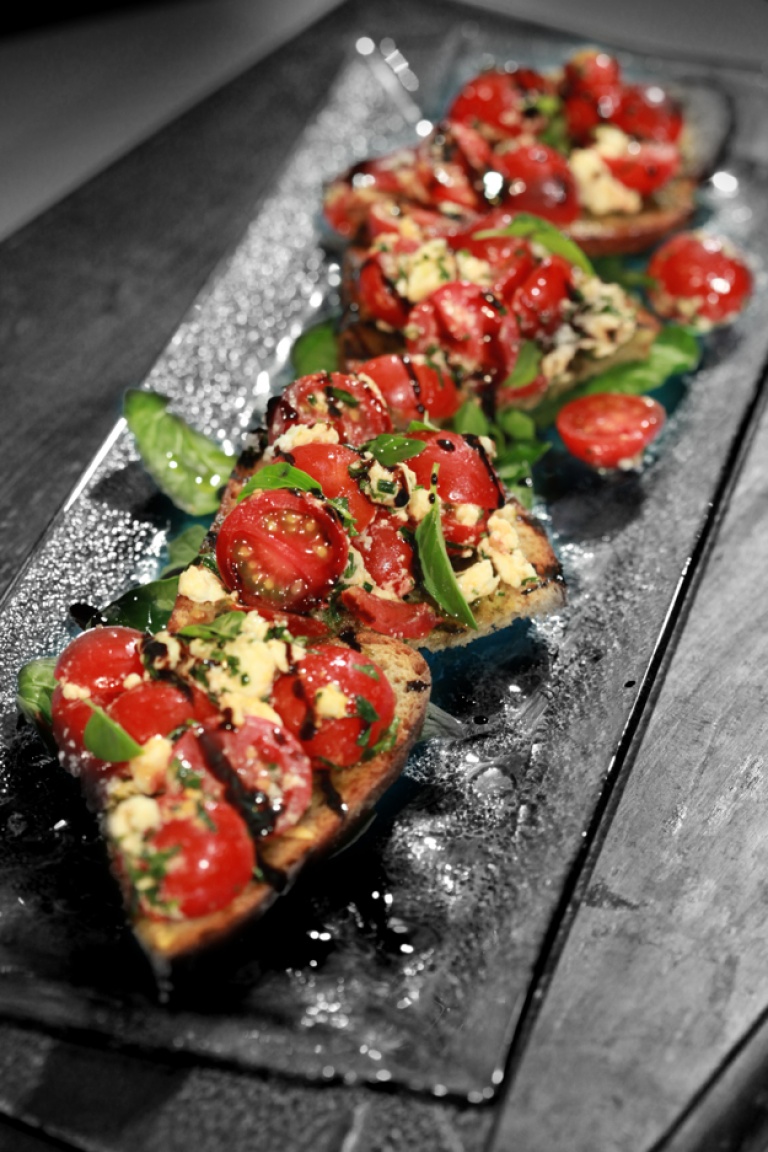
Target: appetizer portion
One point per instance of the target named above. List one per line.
(698, 280)
(610, 162)
(410, 535)
(221, 758)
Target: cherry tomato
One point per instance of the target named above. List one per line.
(539, 180)
(645, 167)
(491, 99)
(582, 116)
(450, 166)
(499, 251)
(699, 280)
(468, 325)
(297, 625)
(359, 690)
(152, 708)
(592, 71)
(539, 302)
(352, 406)
(329, 464)
(378, 295)
(388, 216)
(100, 660)
(269, 761)
(387, 555)
(607, 429)
(348, 199)
(412, 388)
(281, 548)
(465, 475)
(208, 860)
(390, 617)
(648, 113)
(69, 719)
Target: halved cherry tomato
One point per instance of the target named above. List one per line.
(499, 251)
(69, 719)
(387, 216)
(412, 388)
(538, 180)
(469, 325)
(352, 406)
(608, 429)
(271, 766)
(592, 71)
(152, 708)
(450, 165)
(281, 548)
(307, 626)
(100, 660)
(387, 555)
(207, 860)
(348, 199)
(645, 167)
(378, 295)
(698, 279)
(465, 475)
(539, 301)
(390, 617)
(359, 690)
(492, 99)
(647, 112)
(329, 464)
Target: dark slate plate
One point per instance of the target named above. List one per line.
(410, 956)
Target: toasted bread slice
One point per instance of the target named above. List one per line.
(341, 799)
(621, 234)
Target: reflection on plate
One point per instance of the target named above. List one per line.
(408, 957)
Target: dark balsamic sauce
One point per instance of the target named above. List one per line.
(254, 806)
(417, 686)
(348, 637)
(330, 793)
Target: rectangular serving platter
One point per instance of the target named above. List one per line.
(411, 956)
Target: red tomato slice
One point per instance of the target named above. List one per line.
(607, 429)
(698, 279)
(100, 660)
(378, 296)
(69, 718)
(271, 766)
(387, 555)
(648, 113)
(645, 167)
(492, 99)
(348, 199)
(297, 625)
(465, 475)
(152, 708)
(449, 165)
(281, 548)
(466, 324)
(390, 617)
(539, 181)
(368, 704)
(329, 464)
(209, 859)
(387, 216)
(502, 252)
(350, 405)
(539, 301)
(592, 71)
(412, 388)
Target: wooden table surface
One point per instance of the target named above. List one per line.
(649, 1033)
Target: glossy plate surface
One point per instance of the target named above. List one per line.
(408, 958)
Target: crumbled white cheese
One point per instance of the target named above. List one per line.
(132, 819)
(598, 190)
(502, 549)
(467, 514)
(356, 574)
(474, 269)
(299, 434)
(72, 691)
(419, 504)
(330, 703)
(477, 581)
(172, 647)
(149, 767)
(132, 680)
(201, 585)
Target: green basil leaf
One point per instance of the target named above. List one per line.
(544, 233)
(439, 578)
(518, 480)
(526, 367)
(183, 549)
(186, 466)
(614, 270)
(282, 475)
(422, 426)
(224, 627)
(520, 452)
(674, 350)
(35, 686)
(107, 739)
(146, 607)
(344, 396)
(470, 420)
(316, 350)
(519, 425)
(390, 449)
